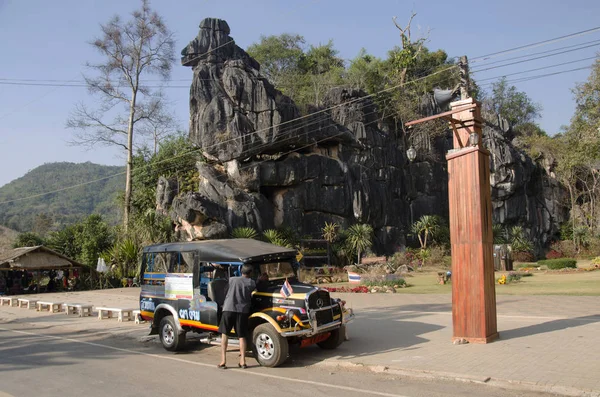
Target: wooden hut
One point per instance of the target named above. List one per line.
(33, 260)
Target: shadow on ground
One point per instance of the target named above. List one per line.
(549, 326)
(24, 351)
(379, 331)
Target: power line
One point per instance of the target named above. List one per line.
(535, 45)
(536, 69)
(538, 53)
(244, 136)
(524, 79)
(532, 59)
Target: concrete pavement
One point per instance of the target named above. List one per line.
(547, 343)
(36, 362)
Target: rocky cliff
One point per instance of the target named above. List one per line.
(270, 167)
(523, 193)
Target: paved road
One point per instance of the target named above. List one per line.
(38, 361)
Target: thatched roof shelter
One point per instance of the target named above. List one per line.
(35, 258)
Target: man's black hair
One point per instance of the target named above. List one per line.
(247, 270)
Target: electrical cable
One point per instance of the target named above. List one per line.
(535, 45)
(537, 53)
(536, 69)
(524, 79)
(245, 136)
(532, 59)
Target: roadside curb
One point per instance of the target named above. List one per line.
(439, 375)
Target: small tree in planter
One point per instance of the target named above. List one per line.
(426, 227)
(360, 238)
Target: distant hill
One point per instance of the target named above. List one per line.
(7, 238)
(63, 207)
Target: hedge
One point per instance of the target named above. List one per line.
(560, 263)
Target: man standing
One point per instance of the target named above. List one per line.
(236, 310)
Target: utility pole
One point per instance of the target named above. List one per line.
(470, 208)
(463, 65)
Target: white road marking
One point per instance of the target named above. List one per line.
(589, 318)
(245, 372)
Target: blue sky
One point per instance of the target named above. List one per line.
(44, 40)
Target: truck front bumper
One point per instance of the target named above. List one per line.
(347, 316)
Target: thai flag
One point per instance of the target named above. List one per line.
(353, 278)
(286, 289)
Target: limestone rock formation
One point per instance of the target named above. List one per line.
(269, 167)
(523, 192)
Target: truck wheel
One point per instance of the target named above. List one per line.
(269, 347)
(170, 338)
(335, 339)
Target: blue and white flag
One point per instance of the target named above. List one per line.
(286, 289)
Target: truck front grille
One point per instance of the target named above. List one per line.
(319, 299)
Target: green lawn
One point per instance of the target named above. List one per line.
(541, 283)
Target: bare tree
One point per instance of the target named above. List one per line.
(410, 50)
(158, 126)
(132, 50)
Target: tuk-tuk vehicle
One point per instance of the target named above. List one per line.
(183, 287)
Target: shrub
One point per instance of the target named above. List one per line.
(386, 283)
(436, 256)
(553, 254)
(523, 256)
(565, 247)
(561, 263)
(513, 277)
(244, 232)
(593, 248)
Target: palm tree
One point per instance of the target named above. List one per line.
(330, 234)
(499, 234)
(360, 238)
(243, 232)
(518, 241)
(427, 226)
(330, 231)
(275, 237)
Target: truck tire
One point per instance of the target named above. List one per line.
(169, 337)
(335, 339)
(269, 347)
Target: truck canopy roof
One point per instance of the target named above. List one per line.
(232, 250)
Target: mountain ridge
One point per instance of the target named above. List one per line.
(62, 206)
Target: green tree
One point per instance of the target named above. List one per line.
(42, 224)
(514, 106)
(324, 69)
(279, 58)
(94, 237)
(359, 239)
(133, 52)
(586, 121)
(28, 239)
(65, 240)
(175, 160)
(303, 73)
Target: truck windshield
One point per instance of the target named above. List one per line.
(277, 270)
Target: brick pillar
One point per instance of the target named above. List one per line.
(469, 194)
